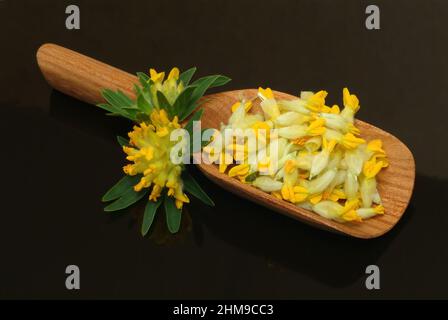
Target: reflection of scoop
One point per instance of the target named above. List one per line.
(84, 78)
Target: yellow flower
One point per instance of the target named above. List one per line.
(368, 191)
(349, 141)
(352, 129)
(261, 125)
(239, 170)
(366, 213)
(328, 209)
(351, 105)
(264, 165)
(350, 100)
(156, 76)
(222, 162)
(351, 215)
(372, 167)
(265, 94)
(174, 74)
(301, 141)
(335, 109)
(316, 127)
(349, 211)
(291, 118)
(290, 191)
(317, 101)
(171, 87)
(334, 195)
(247, 105)
(316, 198)
(319, 184)
(267, 184)
(320, 161)
(294, 194)
(149, 152)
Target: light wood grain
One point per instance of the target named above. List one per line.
(80, 76)
(83, 78)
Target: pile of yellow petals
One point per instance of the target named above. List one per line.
(149, 152)
(323, 163)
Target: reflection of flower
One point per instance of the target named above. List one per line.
(161, 235)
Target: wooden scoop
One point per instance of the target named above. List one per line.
(84, 78)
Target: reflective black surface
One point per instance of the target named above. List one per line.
(59, 155)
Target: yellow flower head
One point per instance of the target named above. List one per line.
(372, 167)
(171, 87)
(265, 94)
(261, 125)
(351, 215)
(247, 105)
(349, 141)
(174, 74)
(239, 170)
(316, 128)
(376, 146)
(156, 76)
(335, 109)
(350, 100)
(317, 101)
(294, 194)
(149, 152)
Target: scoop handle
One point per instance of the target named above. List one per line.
(80, 76)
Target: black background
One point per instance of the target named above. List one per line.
(59, 155)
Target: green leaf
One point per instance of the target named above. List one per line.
(144, 101)
(197, 94)
(118, 98)
(143, 78)
(126, 183)
(142, 117)
(128, 198)
(192, 187)
(122, 141)
(173, 215)
(182, 102)
(132, 114)
(203, 142)
(109, 108)
(186, 76)
(164, 104)
(132, 108)
(195, 117)
(148, 217)
(219, 81)
(222, 80)
(117, 103)
(189, 127)
(143, 104)
(124, 99)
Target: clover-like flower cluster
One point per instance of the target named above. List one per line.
(150, 145)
